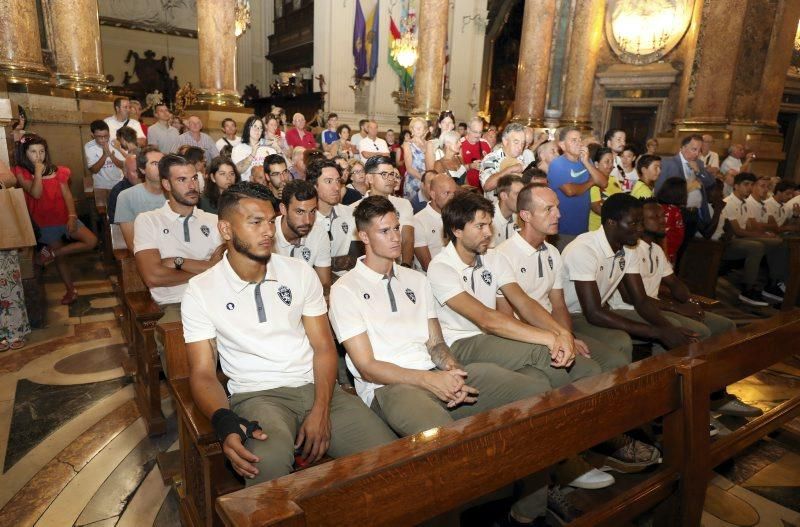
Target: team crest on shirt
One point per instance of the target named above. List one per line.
(345, 228)
(411, 296)
(306, 253)
(205, 230)
(285, 294)
(622, 263)
(486, 276)
(550, 261)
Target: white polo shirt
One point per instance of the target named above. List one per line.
(653, 267)
(450, 276)
(537, 270)
(734, 210)
(396, 324)
(314, 249)
(778, 210)
(403, 206)
(174, 235)
(114, 125)
(339, 228)
(589, 258)
(428, 230)
(372, 145)
(757, 210)
(109, 175)
(261, 339)
(502, 228)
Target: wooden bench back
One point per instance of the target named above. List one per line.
(175, 350)
(130, 279)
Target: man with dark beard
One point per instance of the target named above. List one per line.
(175, 242)
(269, 319)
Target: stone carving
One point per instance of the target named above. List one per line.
(174, 17)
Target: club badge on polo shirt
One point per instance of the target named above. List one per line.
(205, 230)
(285, 294)
(306, 253)
(486, 276)
(411, 296)
(622, 263)
(550, 261)
(345, 228)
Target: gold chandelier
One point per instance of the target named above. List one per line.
(242, 22)
(404, 50)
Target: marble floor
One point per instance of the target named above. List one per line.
(74, 450)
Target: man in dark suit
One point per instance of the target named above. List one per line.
(687, 165)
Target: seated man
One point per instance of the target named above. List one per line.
(428, 240)
(298, 235)
(130, 178)
(786, 214)
(273, 337)
(277, 175)
(466, 280)
(596, 263)
(147, 195)
(385, 316)
(538, 269)
(176, 242)
(337, 219)
(504, 222)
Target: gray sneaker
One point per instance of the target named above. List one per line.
(559, 508)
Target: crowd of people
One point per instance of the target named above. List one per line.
(443, 270)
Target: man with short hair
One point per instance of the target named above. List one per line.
(268, 316)
(738, 160)
(329, 135)
(176, 242)
(103, 160)
(382, 177)
(503, 161)
(385, 316)
(709, 157)
(780, 206)
(421, 198)
(229, 137)
(194, 136)
(572, 175)
(337, 219)
(428, 235)
(145, 196)
(504, 222)
(466, 280)
(135, 113)
(160, 133)
(758, 216)
(298, 168)
(599, 262)
(126, 141)
(372, 145)
(130, 178)
(355, 139)
(545, 154)
(121, 117)
(473, 150)
(298, 234)
(298, 136)
(277, 174)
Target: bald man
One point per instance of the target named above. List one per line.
(298, 136)
(194, 136)
(738, 160)
(130, 177)
(428, 241)
(709, 157)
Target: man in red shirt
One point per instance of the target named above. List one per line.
(298, 136)
(473, 150)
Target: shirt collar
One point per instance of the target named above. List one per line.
(431, 210)
(371, 276)
(282, 241)
(234, 280)
(602, 241)
(526, 248)
(456, 262)
(167, 211)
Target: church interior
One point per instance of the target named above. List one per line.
(94, 433)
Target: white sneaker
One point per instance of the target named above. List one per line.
(594, 479)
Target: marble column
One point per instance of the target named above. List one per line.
(20, 47)
(584, 46)
(429, 75)
(534, 62)
(217, 52)
(75, 39)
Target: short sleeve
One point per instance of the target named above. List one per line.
(580, 265)
(558, 271)
(430, 301)
(240, 152)
(63, 174)
(323, 258)
(420, 232)
(632, 262)
(124, 211)
(144, 235)
(197, 326)
(136, 125)
(346, 319)
(503, 272)
(594, 194)
(313, 300)
(445, 282)
(92, 155)
(488, 168)
(406, 213)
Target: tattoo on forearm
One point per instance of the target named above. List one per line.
(442, 358)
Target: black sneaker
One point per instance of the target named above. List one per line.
(773, 292)
(752, 297)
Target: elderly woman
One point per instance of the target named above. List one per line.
(451, 163)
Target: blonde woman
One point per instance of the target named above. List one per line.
(414, 155)
(451, 162)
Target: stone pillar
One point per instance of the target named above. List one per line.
(534, 62)
(584, 46)
(20, 44)
(217, 52)
(75, 40)
(429, 76)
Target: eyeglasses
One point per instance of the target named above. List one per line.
(281, 173)
(387, 176)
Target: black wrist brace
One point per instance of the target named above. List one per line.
(226, 422)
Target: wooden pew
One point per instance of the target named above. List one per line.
(699, 266)
(140, 317)
(792, 294)
(420, 477)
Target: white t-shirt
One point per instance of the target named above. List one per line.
(450, 276)
(711, 159)
(172, 236)
(428, 230)
(589, 258)
(314, 249)
(241, 151)
(502, 228)
(653, 267)
(114, 125)
(734, 210)
(109, 175)
(372, 145)
(397, 326)
(259, 349)
(222, 144)
(537, 270)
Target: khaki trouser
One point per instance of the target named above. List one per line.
(532, 360)
(281, 411)
(172, 313)
(615, 349)
(749, 250)
(712, 324)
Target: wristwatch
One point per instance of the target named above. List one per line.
(178, 262)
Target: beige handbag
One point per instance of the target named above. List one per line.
(15, 223)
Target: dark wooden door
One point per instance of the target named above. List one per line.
(639, 123)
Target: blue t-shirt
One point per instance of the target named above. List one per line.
(574, 210)
(329, 136)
